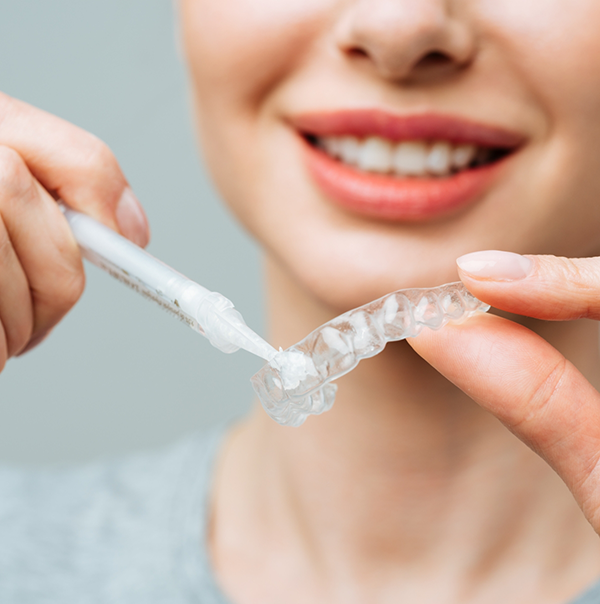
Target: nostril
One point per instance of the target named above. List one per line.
(357, 52)
(434, 59)
(428, 67)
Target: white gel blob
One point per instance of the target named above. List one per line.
(294, 367)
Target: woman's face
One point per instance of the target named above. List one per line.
(368, 143)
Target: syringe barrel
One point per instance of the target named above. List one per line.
(137, 268)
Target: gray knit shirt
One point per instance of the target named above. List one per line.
(128, 531)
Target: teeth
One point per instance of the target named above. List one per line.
(375, 155)
(408, 158)
(349, 149)
(331, 144)
(463, 155)
(438, 160)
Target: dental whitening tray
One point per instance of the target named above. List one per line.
(296, 382)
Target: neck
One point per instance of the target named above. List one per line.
(404, 477)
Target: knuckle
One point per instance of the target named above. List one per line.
(587, 489)
(580, 274)
(19, 335)
(544, 392)
(6, 248)
(58, 292)
(15, 178)
(578, 280)
(71, 288)
(98, 157)
(18, 330)
(99, 169)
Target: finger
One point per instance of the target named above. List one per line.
(543, 287)
(16, 311)
(35, 342)
(3, 347)
(74, 165)
(539, 395)
(43, 243)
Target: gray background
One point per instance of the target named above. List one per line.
(119, 374)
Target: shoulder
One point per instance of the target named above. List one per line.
(86, 525)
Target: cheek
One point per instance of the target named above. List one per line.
(250, 155)
(238, 53)
(555, 48)
(238, 49)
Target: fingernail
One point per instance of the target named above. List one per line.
(495, 265)
(131, 219)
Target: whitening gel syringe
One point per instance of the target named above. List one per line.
(208, 313)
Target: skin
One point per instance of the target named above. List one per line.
(406, 478)
(498, 70)
(413, 475)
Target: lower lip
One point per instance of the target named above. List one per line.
(396, 198)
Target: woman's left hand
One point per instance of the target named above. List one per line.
(518, 376)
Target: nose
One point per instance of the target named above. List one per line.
(407, 40)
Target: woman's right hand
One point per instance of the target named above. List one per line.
(43, 158)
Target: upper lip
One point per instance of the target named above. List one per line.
(422, 126)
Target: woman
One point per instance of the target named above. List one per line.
(367, 145)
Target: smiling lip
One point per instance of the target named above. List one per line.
(397, 198)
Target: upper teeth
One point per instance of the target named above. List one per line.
(408, 158)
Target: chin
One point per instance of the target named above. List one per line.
(359, 269)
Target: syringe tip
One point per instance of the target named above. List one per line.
(226, 329)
